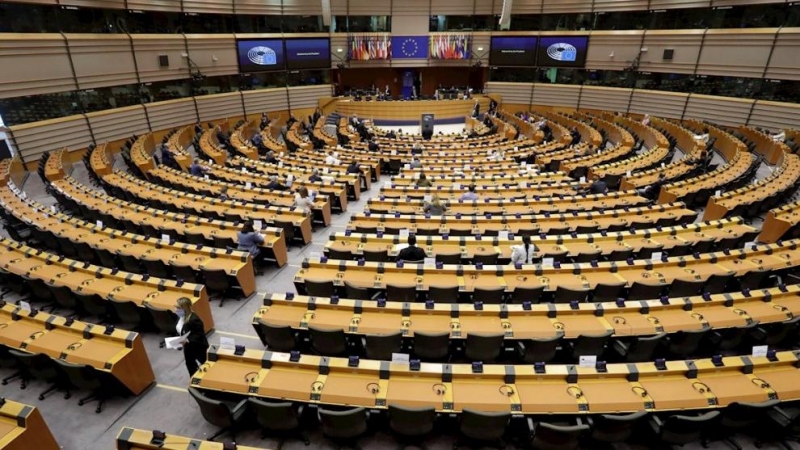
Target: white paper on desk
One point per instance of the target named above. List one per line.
(400, 358)
(524, 163)
(289, 178)
(399, 247)
(582, 179)
(547, 262)
(244, 169)
(427, 198)
(587, 361)
(165, 238)
(25, 305)
(206, 177)
(328, 179)
(760, 350)
(416, 175)
(717, 193)
(663, 165)
(429, 262)
(226, 343)
(53, 210)
(502, 235)
(280, 164)
(324, 170)
(749, 245)
(248, 185)
(175, 342)
(656, 256)
(314, 255)
(456, 186)
(407, 166)
(257, 224)
(394, 152)
(404, 233)
(628, 174)
(100, 224)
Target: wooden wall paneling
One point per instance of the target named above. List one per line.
(302, 8)
(265, 100)
(208, 6)
(669, 105)
(624, 45)
(614, 99)
(736, 53)
(487, 7)
(33, 139)
(620, 5)
(34, 64)
(171, 113)
(102, 59)
(481, 40)
(521, 7)
(455, 7)
(678, 4)
(747, 2)
(106, 4)
(339, 41)
(774, 115)
(214, 54)
(307, 96)
(380, 77)
(155, 5)
(410, 8)
(784, 63)
(220, 106)
(566, 6)
(36, 2)
(368, 8)
(686, 44)
(512, 93)
(721, 110)
(148, 48)
(118, 123)
(339, 7)
(267, 7)
(556, 94)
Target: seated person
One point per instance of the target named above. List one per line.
(270, 158)
(470, 195)
(412, 252)
(198, 169)
(523, 254)
(780, 136)
(416, 163)
(435, 207)
(167, 157)
(353, 168)
(652, 191)
(275, 184)
(315, 178)
(575, 135)
(702, 137)
(390, 134)
(223, 193)
(598, 187)
(423, 181)
(373, 146)
(332, 159)
(416, 149)
(248, 240)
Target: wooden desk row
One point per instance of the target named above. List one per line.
(134, 439)
(181, 200)
(496, 169)
(211, 146)
(314, 159)
(558, 389)
(525, 175)
(533, 224)
(589, 135)
(657, 239)
(142, 154)
(656, 144)
(452, 193)
(781, 180)
(23, 428)
(236, 192)
(183, 224)
(698, 267)
(85, 278)
(540, 321)
(779, 221)
(260, 167)
(591, 160)
(237, 264)
(563, 154)
(771, 151)
(557, 204)
(117, 352)
(733, 169)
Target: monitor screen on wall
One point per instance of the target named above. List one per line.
(513, 51)
(311, 53)
(260, 55)
(562, 51)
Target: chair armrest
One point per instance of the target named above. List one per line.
(531, 427)
(238, 410)
(620, 347)
(589, 421)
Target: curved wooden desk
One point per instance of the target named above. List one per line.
(506, 193)
(133, 439)
(656, 144)
(409, 111)
(117, 352)
(350, 180)
(733, 168)
(23, 428)
(526, 176)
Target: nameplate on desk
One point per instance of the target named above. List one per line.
(760, 350)
(587, 361)
(226, 343)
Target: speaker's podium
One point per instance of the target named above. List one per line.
(426, 125)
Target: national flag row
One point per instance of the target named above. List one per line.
(381, 47)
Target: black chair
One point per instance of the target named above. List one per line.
(375, 255)
(346, 255)
(448, 258)
(607, 292)
(526, 294)
(281, 418)
(754, 279)
(195, 238)
(108, 259)
(217, 282)
(536, 350)
(156, 268)
(64, 297)
(717, 283)
(92, 304)
(644, 291)
(729, 339)
(344, 427)
(483, 347)
(620, 254)
(488, 296)
(640, 349)
(680, 430)
(355, 292)
(775, 334)
(319, 288)
(585, 257)
(683, 343)
(443, 294)
(589, 345)
(395, 293)
(485, 258)
(37, 366)
(86, 377)
(85, 252)
(549, 436)
(477, 428)
(750, 418)
(279, 338)
(130, 264)
(613, 428)
(411, 425)
(685, 288)
(225, 415)
(126, 312)
(39, 289)
(431, 346)
(185, 273)
(164, 320)
(328, 342)
(381, 346)
(567, 295)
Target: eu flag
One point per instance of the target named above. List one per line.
(409, 47)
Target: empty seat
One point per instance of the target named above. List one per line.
(319, 288)
(443, 294)
(328, 342)
(483, 347)
(381, 346)
(488, 295)
(526, 294)
(396, 293)
(536, 350)
(644, 291)
(431, 346)
(567, 295)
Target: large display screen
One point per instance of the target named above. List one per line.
(563, 51)
(260, 55)
(311, 53)
(513, 51)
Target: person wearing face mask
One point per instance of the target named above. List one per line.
(195, 346)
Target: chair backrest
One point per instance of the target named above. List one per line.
(395, 293)
(549, 436)
(541, 350)
(431, 346)
(685, 342)
(483, 426)
(644, 291)
(35, 365)
(681, 430)
(319, 288)
(376, 255)
(184, 272)
(527, 294)
(348, 424)
(355, 292)
(214, 411)
(80, 375)
(276, 416)
(411, 421)
(381, 346)
(156, 268)
(164, 319)
(590, 344)
(483, 347)
(615, 427)
(643, 347)
(489, 296)
(64, 296)
(328, 342)
(443, 294)
(567, 295)
(485, 258)
(448, 258)
(334, 253)
(607, 292)
(685, 288)
(278, 338)
(126, 311)
(216, 280)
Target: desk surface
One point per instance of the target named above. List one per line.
(23, 428)
(134, 439)
(120, 353)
